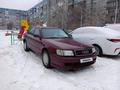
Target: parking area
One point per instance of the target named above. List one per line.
(20, 70)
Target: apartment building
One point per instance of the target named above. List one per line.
(38, 14)
(68, 14)
(71, 14)
(10, 18)
(51, 12)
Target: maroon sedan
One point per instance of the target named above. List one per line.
(58, 48)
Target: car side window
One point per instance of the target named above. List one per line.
(31, 31)
(37, 32)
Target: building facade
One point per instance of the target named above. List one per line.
(113, 11)
(10, 18)
(71, 14)
(50, 12)
(38, 14)
(58, 12)
(76, 13)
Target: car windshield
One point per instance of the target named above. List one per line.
(54, 33)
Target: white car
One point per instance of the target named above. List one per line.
(106, 41)
(113, 26)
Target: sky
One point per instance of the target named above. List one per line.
(18, 4)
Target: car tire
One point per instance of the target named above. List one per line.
(46, 59)
(26, 47)
(98, 50)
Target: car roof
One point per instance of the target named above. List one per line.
(92, 27)
(47, 27)
(103, 30)
(113, 26)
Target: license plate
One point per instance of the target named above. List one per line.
(85, 60)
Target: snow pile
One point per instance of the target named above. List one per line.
(20, 70)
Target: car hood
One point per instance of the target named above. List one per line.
(67, 43)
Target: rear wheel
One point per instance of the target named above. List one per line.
(26, 47)
(46, 59)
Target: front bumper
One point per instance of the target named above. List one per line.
(71, 62)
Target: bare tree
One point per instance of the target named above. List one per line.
(10, 26)
(116, 10)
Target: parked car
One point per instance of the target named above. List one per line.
(58, 49)
(106, 41)
(113, 26)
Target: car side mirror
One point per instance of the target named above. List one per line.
(70, 35)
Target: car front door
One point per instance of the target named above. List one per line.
(29, 38)
(37, 41)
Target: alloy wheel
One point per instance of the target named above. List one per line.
(46, 59)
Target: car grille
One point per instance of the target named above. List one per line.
(83, 52)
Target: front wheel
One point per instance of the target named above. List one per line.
(98, 51)
(46, 59)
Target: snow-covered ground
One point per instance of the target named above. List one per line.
(20, 70)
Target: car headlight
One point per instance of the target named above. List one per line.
(93, 50)
(64, 52)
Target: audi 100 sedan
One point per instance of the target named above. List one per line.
(58, 49)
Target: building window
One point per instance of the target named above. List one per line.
(71, 2)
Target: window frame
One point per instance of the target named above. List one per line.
(38, 30)
(29, 31)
